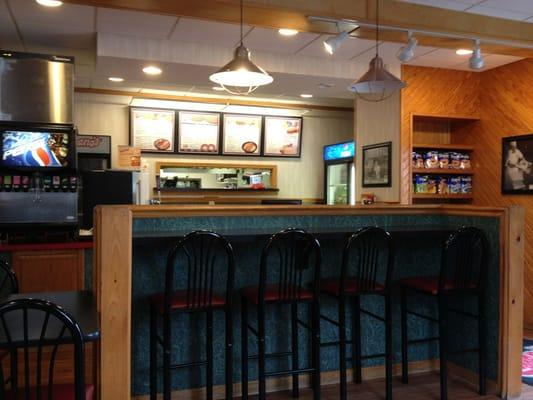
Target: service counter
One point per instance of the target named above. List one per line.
(132, 242)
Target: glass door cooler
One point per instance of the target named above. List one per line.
(339, 173)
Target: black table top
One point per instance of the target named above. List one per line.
(81, 305)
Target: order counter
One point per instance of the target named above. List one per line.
(131, 244)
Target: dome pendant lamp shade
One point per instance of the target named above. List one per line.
(241, 76)
(377, 83)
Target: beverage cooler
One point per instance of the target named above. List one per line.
(38, 182)
(339, 173)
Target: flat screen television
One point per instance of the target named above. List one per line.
(339, 151)
(36, 149)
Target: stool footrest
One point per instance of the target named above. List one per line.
(422, 316)
(363, 311)
(290, 372)
(328, 319)
(325, 344)
(252, 329)
(304, 324)
(466, 313)
(189, 365)
(431, 339)
(369, 356)
(271, 355)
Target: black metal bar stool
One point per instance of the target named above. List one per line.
(290, 262)
(463, 271)
(207, 264)
(366, 269)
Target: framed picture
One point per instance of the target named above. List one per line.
(241, 135)
(377, 165)
(517, 162)
(283, 136)
(198, 133)
(152, 130)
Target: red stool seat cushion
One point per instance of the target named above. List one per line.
(178, 301)
(333, 286)
(60, 392)
(272, 293)
(427, 284)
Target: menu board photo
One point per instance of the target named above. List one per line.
(198, 132)
(242, 135)
(283, 136)
(152, 130)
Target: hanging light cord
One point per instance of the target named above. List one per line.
(377, 27)
(242, 12)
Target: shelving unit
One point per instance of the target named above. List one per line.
(441, 133)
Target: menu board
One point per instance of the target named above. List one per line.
(283, 136)
(152, 130)
(198, 132)
(242, 134)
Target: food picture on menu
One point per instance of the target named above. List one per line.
(242, 134)
(283, 136)
(198, 132)
(153, 130)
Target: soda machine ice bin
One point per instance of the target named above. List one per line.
(339, 173)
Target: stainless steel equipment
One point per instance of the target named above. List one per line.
(36, 88)
(38, 207)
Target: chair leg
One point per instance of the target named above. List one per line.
(261, 348)
(244, 349)
(315, 332)
(356, 340)
(342, 347)
(153, 353)
(443, 350)
(388, 346)
(167, 383)
(482, 332)
(294, 348)
(405, 346)
(209, 354)
(229, 352)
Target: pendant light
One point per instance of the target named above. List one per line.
(377, 84)
(241, 76)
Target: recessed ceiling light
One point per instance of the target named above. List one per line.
(152, 70)
(49, 3)
(7, 54)
(306, 95)
(463, 52)
(115, 79)
(218, 88)
(288, 32)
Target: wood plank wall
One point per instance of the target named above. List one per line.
(433, 91)
(503, 99)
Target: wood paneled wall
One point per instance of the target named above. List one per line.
(503, 99)
(433, 91)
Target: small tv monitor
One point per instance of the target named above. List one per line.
(339, 151)
(25, 149)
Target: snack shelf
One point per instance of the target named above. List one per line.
(429, 196)
(442, 171)
(440, 146)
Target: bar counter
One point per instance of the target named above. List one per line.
(131, 244)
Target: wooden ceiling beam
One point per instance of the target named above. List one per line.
(294, 14)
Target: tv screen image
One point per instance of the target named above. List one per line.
(35, 149)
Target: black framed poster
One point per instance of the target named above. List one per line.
(377, 165)
(517, 163)
(152, 130)
(199, 132)
(283, 136)
(242, 135)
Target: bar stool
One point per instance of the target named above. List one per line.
(463, 271)
(366, 269)
(206, 271)
(289, 261)
(8, 279)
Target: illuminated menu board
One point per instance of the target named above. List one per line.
(283, 136)
(152, 130)
(198, 132)
(242, 134)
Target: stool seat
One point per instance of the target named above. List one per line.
(430, 284)
(351, 287)
(179, 301)
(273, 294)
(59, 392)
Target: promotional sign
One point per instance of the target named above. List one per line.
(242, 135)
(34, 149)
(198, 132)
(93, 144)
(152, 130)
(129, 157)
(283, 136)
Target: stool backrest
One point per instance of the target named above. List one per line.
(464, 260)
(207, 265)
(368, 257)
(289, 258)
(38, 327)
(8, 280)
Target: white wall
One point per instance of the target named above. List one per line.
(297, 178)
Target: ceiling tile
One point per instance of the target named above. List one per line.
(271, 40)
(9, 38)
(214, 33)
(351, 47)
(499, 13)
(448, 4)
(520, 6)
(56, 35)
(134, 23)
(81, 17)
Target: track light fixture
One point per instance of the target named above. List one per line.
(407, 52)
(476, 60)
(333, 43)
